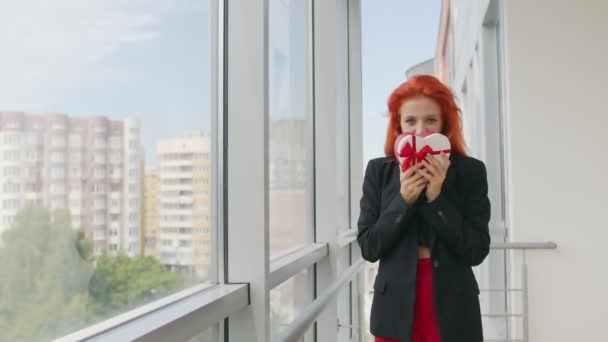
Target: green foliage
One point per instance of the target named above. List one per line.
(49, 285)
(120, 282)
(84, 246)
(44, 279)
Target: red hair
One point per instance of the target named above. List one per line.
(431, 87)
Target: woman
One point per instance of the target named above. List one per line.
(428, 226)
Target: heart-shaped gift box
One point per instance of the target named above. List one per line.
(411, 149)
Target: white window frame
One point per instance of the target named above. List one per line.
(246, 181)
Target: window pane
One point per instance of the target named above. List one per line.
(105, 167)
(212, 334)
(288, 299)
(290, 126)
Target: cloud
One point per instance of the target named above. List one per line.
(49, 43)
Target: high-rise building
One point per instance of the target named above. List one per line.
(88, 165)
(150, 217)
(133, 155)
(184, 235)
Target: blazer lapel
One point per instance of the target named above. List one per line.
(395, 182)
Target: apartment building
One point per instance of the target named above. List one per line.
(184, 237)
(89, 165)
(150, 218)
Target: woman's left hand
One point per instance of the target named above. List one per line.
(435, 172)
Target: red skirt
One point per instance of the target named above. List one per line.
(425, 321)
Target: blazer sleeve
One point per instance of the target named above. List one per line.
(466, 234)
(379, 230)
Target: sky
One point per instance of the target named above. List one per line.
(396, 35)
(149, 59)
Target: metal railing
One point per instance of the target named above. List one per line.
(301, 324)
(508, 314)
(523, 290)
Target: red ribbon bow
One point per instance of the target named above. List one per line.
(411, 156)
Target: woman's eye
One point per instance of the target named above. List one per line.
(432, 120)
(409, 121)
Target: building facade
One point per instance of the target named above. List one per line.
(150, 217)
(87, 165)
(184, 173)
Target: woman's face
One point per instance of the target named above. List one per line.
(420, 114)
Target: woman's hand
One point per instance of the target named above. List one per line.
(434, 173)
(412, 184)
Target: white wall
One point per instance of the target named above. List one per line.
(475, 82)
(556, 54)
(467, 17)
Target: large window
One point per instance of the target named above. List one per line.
(290, 141)
(95, 96)
(290, 151)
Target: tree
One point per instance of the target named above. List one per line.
(50, 287)
(84, 246)
(120, 283)
(43, 278)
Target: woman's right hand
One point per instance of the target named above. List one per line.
(412, 184)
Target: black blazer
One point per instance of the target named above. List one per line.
(458, 227)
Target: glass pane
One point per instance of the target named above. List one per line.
(288, 299)
(290, 171)
(213, 334)
(105, 175)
